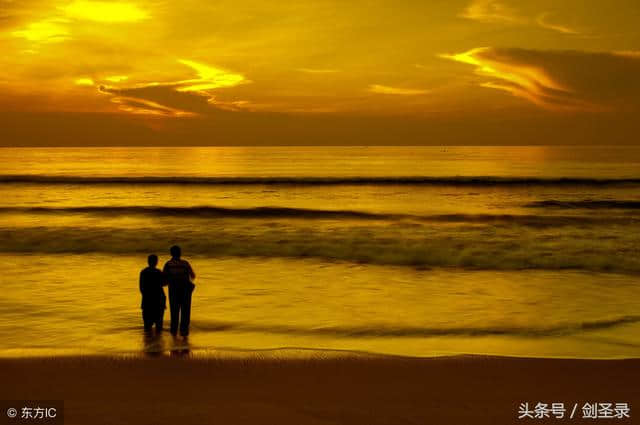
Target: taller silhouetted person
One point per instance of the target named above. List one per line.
(179, 274)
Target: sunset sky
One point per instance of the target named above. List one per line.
(192, 72)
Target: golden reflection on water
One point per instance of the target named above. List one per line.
(325, 161)
(90, 304)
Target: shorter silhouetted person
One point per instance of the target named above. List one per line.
(153, 299)
(179, 274)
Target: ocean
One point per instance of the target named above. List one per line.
(416, 251)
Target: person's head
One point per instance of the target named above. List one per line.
(152, 260)
(175, 252)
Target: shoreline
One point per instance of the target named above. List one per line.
(349, 389)
(275, 353)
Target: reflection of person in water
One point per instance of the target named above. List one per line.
(152, 344)
(153, 299)
(179, 274)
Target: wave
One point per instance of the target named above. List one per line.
(306, 213)
(320, 181)
(203, 211)
(401, 243)
(586, 204)
(372, 331)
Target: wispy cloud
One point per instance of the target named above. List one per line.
(629, 53)
(179, 98)
(209, 77)
(559, 80)
(318, 70)
(105, 11)
(117, 78)
(497, 11)
(380, 89)
(491, 11)
(53, 30)
(58, 26)
(84, 81)
(543, 21)
(147, 107)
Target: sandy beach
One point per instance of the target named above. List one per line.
(340, 390)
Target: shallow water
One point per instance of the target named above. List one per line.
(528, 251)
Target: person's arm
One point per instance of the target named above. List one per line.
(141, 283)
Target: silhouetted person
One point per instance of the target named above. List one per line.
(179, 274)
(153, 299)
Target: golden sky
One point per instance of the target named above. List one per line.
(85, 72)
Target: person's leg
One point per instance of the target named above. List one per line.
(174, 307)
(185, 313)
(147, 320)
(159, 320)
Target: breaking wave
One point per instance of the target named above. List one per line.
(586, 204)
(305, 213)
(612, 249)
(203, 211)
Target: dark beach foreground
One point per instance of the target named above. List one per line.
(317, 390)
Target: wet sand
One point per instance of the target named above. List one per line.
(317, 390)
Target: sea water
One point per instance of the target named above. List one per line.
(421, 251)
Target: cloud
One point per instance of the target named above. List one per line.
(543, 21)
(51, 30)
(491, 11)
(180, 98)
(377, 88)
(117, 78)
(629, 53)
(559, 80)
(495, 11)
(157, 100)
(209, 77)
(147, 107)
(57, 27)
(84, 81)
(105, 11)
(318, 71)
